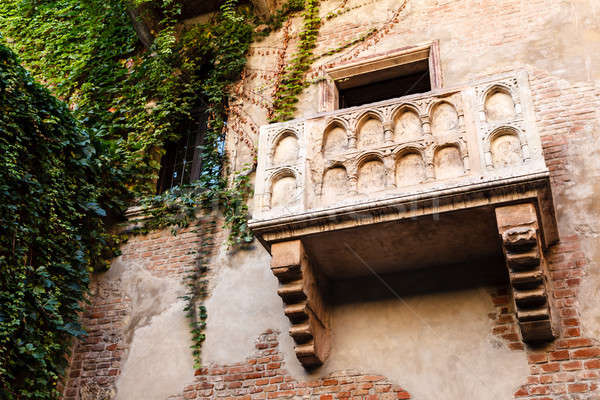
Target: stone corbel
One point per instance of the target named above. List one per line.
(522, 246)
(303, 295)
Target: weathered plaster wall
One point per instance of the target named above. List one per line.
(436, 345)
(579, 204)
(159, 360)
(138, 343)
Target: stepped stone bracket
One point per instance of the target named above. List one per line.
(303, 295)
(521, 244)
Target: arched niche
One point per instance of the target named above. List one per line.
(407, 125)
(286, 149)
(505, 147)
(448, 163)
(499, 105)
(410, 169)
(371, 175)
(335, 184)
(335, 140)
(370, 132)
(444, 119)
(283, 191)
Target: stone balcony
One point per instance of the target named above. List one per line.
(449, 176)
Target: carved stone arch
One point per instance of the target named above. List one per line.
(282, 192)
(505, 146)
(406, 123)
(368, 156)
(335, 183)
(336, 137)
(448, 161)
(284, 153)
(283, 132)
(369, 128)
(444, 117)
(338, 121)
(410, 167)
(499, 103)
(371, 172)
(365, 115)
(404, 107)
(279, 173)
(505, 87)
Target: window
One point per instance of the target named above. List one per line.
(382, 85)
(181, 162)
(394, 74)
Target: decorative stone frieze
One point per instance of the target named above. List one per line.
(344, 186)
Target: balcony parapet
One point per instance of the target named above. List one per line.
(403, 150)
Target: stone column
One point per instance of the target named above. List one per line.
(521, 243)
(303, 295)
(388, 132)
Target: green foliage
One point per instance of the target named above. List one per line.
(51, 214)
(293, 82)
(62, 180)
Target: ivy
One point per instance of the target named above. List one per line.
(293, 82)
(51, 215)
(130, 102)
(275, 21)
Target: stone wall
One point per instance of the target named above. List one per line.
(449, 344)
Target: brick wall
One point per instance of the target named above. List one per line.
(263, 376)
(97, 360)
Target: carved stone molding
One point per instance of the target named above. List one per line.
(303, 294)
(522, 247)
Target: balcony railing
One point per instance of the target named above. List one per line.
(451, 140)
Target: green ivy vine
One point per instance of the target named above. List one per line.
(293, 82)
(129, 100)
(53, 230)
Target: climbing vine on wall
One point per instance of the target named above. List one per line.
(51, 188)
(293, 82)
(131, 101)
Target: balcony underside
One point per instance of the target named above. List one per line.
(465, 236)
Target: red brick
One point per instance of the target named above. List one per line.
(559, 355)
(592, 364)
(550, 367)
(578, 387)
(537, 358)
(571, 365)
(589, 352)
